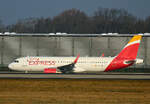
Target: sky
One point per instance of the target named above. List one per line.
(13, 10)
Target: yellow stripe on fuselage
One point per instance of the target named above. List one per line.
(135, 38)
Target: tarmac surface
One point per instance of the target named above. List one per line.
(138, 76)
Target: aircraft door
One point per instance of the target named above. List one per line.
(24, 63)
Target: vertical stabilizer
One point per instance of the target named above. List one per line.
(131, 49)
(127, 56)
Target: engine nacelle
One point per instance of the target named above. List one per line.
(50, 70)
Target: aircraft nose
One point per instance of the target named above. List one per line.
(10, 66)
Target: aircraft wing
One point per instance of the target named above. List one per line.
(69, 67)
(63, 69)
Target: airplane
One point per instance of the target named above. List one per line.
(125, 58)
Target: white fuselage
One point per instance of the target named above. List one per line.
(40, 63)
(84, 64)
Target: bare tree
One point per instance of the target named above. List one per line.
(72, 21)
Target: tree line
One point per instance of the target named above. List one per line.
(103, 20)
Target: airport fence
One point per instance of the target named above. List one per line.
(20, 46)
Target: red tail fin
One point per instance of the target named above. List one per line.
(131, 49)
(127, 56)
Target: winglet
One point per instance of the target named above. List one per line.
(102, 55)
(75, 61)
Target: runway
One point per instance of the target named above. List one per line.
(138, 76)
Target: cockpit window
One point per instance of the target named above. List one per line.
(16, 61)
